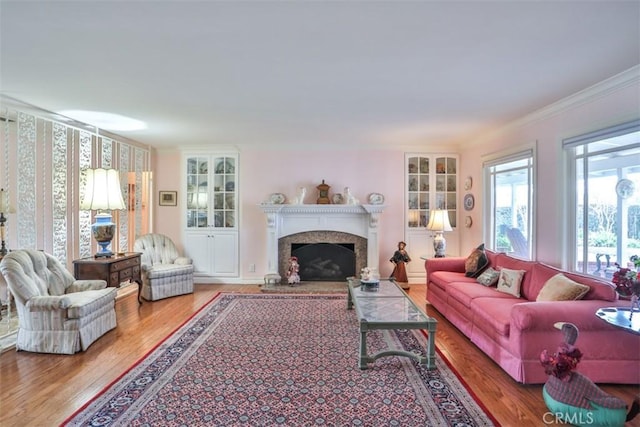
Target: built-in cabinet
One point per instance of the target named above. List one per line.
(211, 213)
(431, 182)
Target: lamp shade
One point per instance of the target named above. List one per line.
(102, 190)
(439, 220)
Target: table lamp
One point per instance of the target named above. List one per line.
(102, 192)
(5, 208)
(439, 222)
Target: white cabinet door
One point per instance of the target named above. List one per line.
(225, 254)
(198, 248)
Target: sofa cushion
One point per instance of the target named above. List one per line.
(561, 288)
(465, 293)
(600, 289)
(493, 314)
(443, 278)
(510, 281)
(489, 277)
(476, 262)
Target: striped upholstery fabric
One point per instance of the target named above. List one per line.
(164, 272)
(57, 313)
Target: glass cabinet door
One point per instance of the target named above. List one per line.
(224, 192)
(197, 192)
(211, 192)
(431, 184)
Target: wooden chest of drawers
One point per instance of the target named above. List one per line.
(115, 270)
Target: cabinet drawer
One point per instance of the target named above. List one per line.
(125, 274)
(114, 279)
(136, 273)
(120, 265)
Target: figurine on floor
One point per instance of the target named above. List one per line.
(399, 260)
(292, 271)
(574, 398)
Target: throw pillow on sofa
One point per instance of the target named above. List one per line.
(510, 281)
(561, 288)
(489, 277)
(476, 262)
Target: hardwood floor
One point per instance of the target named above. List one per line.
(43, 389)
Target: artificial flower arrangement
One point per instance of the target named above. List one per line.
(626, 280)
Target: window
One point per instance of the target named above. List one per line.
(509, 208)
(605, 213)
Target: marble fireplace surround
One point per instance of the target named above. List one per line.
(288, 224)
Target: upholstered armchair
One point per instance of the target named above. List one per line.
(164, 272)
(57, 313)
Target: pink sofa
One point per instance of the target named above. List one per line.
(513, 331)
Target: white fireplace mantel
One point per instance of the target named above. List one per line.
(284, 220)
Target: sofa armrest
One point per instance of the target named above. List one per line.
(454, 264)
(86, 285)
(540, 316)
(183, 260)
(47, 303)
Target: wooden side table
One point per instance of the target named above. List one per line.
(114, 270)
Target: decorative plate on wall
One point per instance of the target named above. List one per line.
(468, 221)
(469, 202)
(468, 183)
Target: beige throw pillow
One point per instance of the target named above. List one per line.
(561, 288)
(510, 281)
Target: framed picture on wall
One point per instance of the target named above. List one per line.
(168, 198)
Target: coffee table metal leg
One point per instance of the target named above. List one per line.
(362, 364)
(431, 346)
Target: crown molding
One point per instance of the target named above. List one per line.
(599, 90)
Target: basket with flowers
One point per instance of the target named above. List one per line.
(626, 279)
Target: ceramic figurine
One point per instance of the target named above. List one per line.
(399, 259)
(292, 272)
(349, 199)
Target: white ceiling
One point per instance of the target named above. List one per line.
(350, 74)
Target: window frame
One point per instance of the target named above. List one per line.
(569, 148)
(522, 152)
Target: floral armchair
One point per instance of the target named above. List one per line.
(164, 272)
(57, 313)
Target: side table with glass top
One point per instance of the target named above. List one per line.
(387, 306)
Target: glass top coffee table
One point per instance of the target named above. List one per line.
(387, 306)
(621, 317)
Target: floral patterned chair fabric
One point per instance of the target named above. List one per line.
(57, 313)
(164, 272)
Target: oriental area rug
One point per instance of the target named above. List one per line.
(282, 359)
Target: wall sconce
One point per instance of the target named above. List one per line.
(102, 192)
(439, 222)
(5, 208)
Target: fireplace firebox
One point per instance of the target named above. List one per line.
(325, 261)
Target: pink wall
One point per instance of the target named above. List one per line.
(265, 172)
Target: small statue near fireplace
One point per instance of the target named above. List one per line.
(399, 259)
(292, 271)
